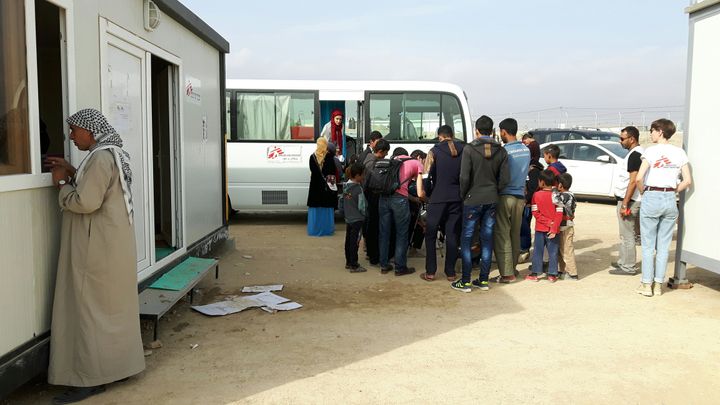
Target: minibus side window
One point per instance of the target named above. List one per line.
(414, 116)
(275, 116)
(452, 115)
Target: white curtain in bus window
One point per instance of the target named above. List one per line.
(295, 116)
(255, 116)
(452, 115)
(14, 128)
(422, 116)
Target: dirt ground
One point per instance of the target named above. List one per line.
(372, 338)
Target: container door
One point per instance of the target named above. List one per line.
(124, 103)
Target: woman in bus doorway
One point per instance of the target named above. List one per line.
(322, 195)
(333, 131)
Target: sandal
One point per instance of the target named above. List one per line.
(427, 277)
(77, 394)
(452, 278)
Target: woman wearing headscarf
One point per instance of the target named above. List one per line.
(322, 195)
(333, 130)
(95, 331)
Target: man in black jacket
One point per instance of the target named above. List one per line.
(445, 204)
(374, 137)
(484, 171)
(371, 227)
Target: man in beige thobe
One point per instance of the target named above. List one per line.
(95, 333)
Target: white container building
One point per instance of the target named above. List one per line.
(157, 72)
(699, 217)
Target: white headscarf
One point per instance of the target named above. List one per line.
(107, 138)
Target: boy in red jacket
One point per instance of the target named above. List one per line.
(548, 218)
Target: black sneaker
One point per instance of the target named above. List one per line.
(387, 269)
(482, 285)
(404, 271)
(460, 286)
(357, 269)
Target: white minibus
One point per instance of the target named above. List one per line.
(273, 124)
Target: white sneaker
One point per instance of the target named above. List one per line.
(657, 289)
(523, 257)
(645, 289)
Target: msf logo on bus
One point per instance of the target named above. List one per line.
(283, 154)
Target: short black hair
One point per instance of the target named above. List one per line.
(356, 169)
(446, 130)
(552, 150)
(632, 132)
(547, 177)
(527, 135)
(510, 125)
(375, 135)
(400, 151)
(566, 180)
(484, 125)
(418, 153)
(382, 145)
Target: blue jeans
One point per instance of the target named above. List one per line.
(485, 215)
(541, 242)
(525, 234)
(394, 208)
(658, 213)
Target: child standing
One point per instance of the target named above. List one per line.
(547, 225)
(564, 198)
(354, 209)
(551, 154)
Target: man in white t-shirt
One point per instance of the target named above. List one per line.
(628, 202)
(658, 181)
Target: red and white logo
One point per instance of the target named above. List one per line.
(662, 162)
(275, 152)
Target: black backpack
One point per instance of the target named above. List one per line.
(384, 178)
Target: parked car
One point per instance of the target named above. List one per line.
(556, 134)
(594, 165)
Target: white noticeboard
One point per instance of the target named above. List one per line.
(701, 215)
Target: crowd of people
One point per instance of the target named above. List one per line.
(478, 199)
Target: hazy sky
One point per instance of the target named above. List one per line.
(509, 56)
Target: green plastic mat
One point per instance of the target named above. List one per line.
(163, 252)
(179, 277)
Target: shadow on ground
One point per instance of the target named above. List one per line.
(346, 318)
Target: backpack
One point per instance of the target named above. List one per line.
(384, 177)
(347, 195)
